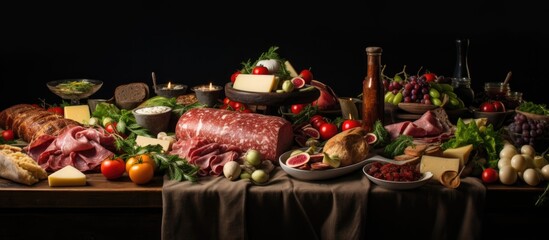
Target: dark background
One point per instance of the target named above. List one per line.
(121, 43)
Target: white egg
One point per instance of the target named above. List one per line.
(507, 175)
(528, 149)
(518, 162)
(506, 161)
(545, 172)
(508, 151)
(531, 177)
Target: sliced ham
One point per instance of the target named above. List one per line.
(81, 147)
(432, 126)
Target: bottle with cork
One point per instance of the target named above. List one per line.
(373, 106)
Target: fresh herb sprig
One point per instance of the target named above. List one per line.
(397, 147)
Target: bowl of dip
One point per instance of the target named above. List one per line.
(154, 118)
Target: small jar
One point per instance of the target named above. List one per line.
(497, 90)
(462, 88)
(514, 99)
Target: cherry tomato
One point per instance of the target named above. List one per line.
(7, 135)
(327, 130)
(234, 75)
(238, 106)
(113, 168)
(260, 70)
(492, 106)
(307, 75)
(56, 110)
(141, 158)
(490, 175)
(141, 173)
(297, 108)
(111, 127)
(226, 101)
(350, 123)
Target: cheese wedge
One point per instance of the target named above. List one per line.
(438, 165)
(255, 83)
(79, 113)
(67, 176)
(144, 141)
(461, 152)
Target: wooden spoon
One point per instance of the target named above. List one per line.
(451, 179)
(507, 78)
(154, 80)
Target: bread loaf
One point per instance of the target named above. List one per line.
(129, 96)
(350, 146)
(29, 122)
(19, 167)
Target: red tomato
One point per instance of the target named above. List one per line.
(350, 123)
(56, 110)
(492, 106)
(297, 108)
(111, 127)
(238, 106)
(430, 77)
(327, 130)
(234, 75)
(490, 175)
(307, 75)
(226, 101)
(260, 70)
(7, 135)
(113, 168)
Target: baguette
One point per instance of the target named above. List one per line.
(19, 167)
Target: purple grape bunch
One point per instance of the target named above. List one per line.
(527, 131)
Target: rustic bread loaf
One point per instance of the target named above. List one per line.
(350, 146)
(129, 96)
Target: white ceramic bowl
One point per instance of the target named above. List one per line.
(397, 185)
(316, 174)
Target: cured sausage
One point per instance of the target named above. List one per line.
(29, 122)
(270, 135)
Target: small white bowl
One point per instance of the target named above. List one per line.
(155, 118)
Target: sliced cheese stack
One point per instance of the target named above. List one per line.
(438, 165)
(144, 141)
(67, 176)
(462, 153)
(255, 83)
(79, 113)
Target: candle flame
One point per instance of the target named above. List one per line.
(169, 85)
(350, 116)
(211, 86)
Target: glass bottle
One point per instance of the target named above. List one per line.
(461, 79)
(373, 106)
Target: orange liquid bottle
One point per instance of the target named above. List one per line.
(373, 107)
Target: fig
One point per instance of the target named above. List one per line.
(311, 132)
(298, 82)
(298, 160)
(320, 166)
(371, 138)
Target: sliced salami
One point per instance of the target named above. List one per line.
(270, 135)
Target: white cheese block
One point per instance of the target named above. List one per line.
(462, 153)
(438, 165)
(255, 83)
(79, 113)
(144, 141)
(67, 176)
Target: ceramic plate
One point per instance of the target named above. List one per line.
(316, 174)
(397, 185)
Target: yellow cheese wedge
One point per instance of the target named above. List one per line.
(79, 113)
(144, 141)
(255, 83)
(461, 152)
(438, 165)
(67, 176)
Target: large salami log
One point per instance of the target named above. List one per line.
(270, 135)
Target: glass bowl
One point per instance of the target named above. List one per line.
(74, 89)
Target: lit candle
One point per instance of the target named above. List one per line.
(211, 86)
(169, 85)
(208, 94)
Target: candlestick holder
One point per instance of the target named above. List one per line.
(171, 90)
(208, 94)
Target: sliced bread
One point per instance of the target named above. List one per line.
(129, 96)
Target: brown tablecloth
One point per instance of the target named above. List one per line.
(348, 207)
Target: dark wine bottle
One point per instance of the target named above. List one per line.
(462, 77)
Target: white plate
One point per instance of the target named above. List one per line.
(316, 174)
(397, 185)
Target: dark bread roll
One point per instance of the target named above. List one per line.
(129, 96)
